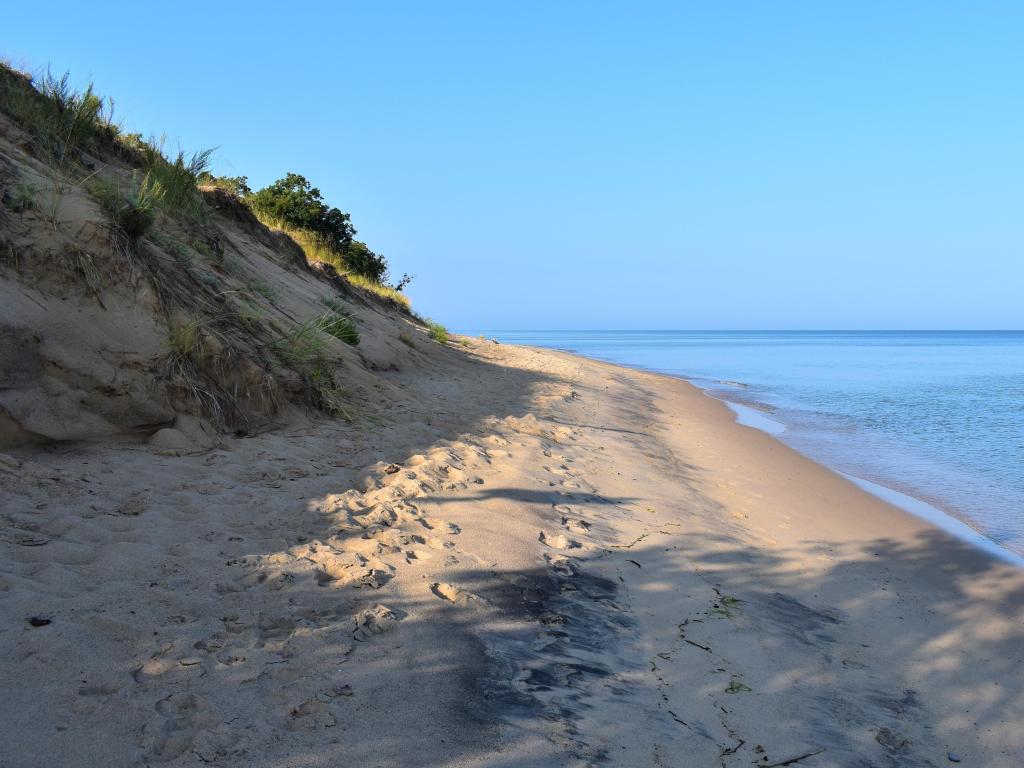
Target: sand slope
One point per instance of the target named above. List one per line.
(526, 559)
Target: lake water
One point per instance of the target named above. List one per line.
(938, 416)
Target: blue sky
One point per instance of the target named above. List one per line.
(598, 165)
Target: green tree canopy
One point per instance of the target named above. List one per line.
(295, 202)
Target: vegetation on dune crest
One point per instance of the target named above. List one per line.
(294, 206)
(60, 120)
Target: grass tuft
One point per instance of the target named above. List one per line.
(303, 347)
(186, 340)
(339, 323)
(437, 332)
(133, 211)
(178, 177)
(264, 290)
(303, 350)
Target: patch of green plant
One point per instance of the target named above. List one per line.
(406, 339)
(736, 686)
(334, 305)
(726, 606)
(437, 332)
(172, 245)
(338, 322)
(20, 198)
(202, 248)
(303, 350)
(341, 327)
(131, 211)
(249, 315)
(264, 290)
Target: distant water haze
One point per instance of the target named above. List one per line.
(935, 415)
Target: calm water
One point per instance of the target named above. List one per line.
(936, 415)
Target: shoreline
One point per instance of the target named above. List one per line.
(958, 524)
(948, 521)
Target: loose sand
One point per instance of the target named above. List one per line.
(531, 560)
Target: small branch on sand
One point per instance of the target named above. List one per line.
(731, 750)
(796, 759)
(634, 562)
(676, 718)
(631, 544)
(697, 645)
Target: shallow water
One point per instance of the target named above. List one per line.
(936, 415)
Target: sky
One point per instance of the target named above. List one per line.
(588, 165)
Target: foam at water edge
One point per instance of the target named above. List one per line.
(937, 517)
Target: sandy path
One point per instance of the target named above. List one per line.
(535, 560)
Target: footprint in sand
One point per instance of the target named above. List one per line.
(310, 715)
(182, 716)
(454, 594)
(576, 525)
(373, 621)
(440, 526)
(558, 541)
(561, 565)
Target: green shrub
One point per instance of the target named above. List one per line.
(326, 234)
(296, 203)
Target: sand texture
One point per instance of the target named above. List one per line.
(525, 559)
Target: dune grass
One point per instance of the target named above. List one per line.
(303, 350)
(186, 340)
(339, 323)
(130, 211)
(60, 119)
(178, 177)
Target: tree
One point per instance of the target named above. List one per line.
(364, 261)
(296, 203)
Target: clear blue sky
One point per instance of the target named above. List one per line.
(598, 165)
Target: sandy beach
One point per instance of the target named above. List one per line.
(521, 558)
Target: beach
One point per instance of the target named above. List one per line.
(516, 557)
